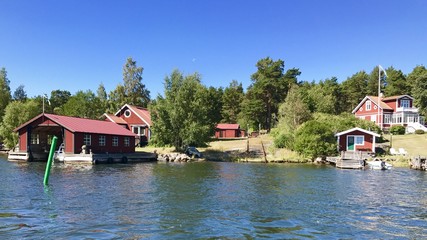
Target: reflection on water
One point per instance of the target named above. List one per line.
(210, 200)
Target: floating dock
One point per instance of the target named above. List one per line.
(350, 160)
(419, 163)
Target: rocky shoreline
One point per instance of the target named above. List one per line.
(176, 157)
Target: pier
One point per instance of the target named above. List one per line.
(418, 163)
(349, 160)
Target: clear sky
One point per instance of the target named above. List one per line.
(77, 44)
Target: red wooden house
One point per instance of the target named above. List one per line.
(136, 119)
(228, 130)
(389, 111)
(356, 139)
(96, 136)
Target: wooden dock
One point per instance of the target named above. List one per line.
(349, 160)
(419, 163)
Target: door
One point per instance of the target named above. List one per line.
(350, 143)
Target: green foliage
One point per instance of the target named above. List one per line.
(17, 113)
(20, 94)
(57, 99)
(84, 105)
(294, 111)
(396, 83)
(231, 102)
(315, 138)
(419, 92)
(181, 117)
(132, 91)
(419, 131)
(326, 96)
(397, 130)
(215, 102)
(354, 90)
(5, 95)
(268, 89)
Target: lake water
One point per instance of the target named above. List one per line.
(210, 200)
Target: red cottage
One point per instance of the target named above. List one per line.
(389, 111)
(136, 119)
(356, 139)
(96, 136)
(228, 130)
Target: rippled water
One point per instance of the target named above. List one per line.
(210, 200)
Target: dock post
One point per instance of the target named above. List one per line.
(49, 160)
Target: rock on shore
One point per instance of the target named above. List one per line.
(175, 157)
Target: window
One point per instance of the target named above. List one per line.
(49, 139)
(127, 141)
(387, 118)
(404, 103)
(101, 140)
(115, 141)
(87, 140)
(368, 105)
(127, 113)
(139, 130)
(359, 140)
(35, 139)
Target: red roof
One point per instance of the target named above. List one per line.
(141, 112)
(115, 119)
(84, 125)
(228, 126)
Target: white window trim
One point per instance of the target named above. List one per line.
(368, 105)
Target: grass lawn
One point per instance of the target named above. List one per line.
(414, 144)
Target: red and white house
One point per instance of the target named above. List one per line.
(137, 119)
(356, 139)
(228, 130)
(390, 111)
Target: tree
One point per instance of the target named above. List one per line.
(101, 94)
(134, 90)
(231, 101)
(215, 103)
(396, 83)
(181, 117)
(293, 111)
(419, 92)
(417, 72)
(372, 84)
(269, 88)
(84, 105)
(116, 99)
(17, 113)
(20, 94)
(326, 96)
(57, 100)
(354, 90)
(5, 95)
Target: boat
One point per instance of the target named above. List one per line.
(379, 164)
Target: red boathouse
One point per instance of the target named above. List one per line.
(77, 135)
(228, 130)
(356, 139)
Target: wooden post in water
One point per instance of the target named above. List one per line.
(49, 160)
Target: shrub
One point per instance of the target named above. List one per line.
(397, 130)
(314, 139)
(419, 131)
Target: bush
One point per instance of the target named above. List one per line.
(397, 130)
(314, 139)
(419, 131)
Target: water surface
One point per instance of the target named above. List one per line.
(210, 200)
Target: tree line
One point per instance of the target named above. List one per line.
(187, 112)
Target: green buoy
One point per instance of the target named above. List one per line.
(49, 160)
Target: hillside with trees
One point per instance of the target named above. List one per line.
(297, 112)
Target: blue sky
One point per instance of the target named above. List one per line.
(76, 45)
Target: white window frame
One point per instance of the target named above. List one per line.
(140, 130)
(35, 139)
(405, 103)
(126, 141)
(359, 137)
(115, 141)
(102, 140)
(368, 105)
(87, 139)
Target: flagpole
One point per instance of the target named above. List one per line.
(379, 99)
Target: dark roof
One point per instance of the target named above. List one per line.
(84, 125)
(228, 126)
(114, 118)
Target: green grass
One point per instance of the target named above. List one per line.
(414, 144)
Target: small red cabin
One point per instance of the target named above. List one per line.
(98, 136)
(228, 130)
(356, 139)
